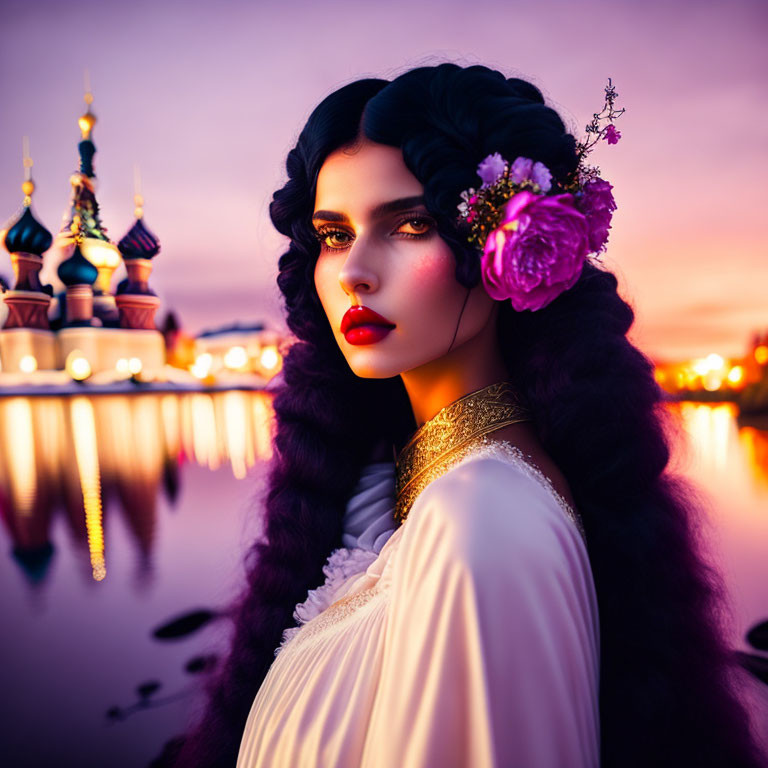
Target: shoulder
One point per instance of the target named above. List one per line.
(486, 510)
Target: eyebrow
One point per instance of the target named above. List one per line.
(380, 210)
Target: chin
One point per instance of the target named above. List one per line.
(371, 363)
(371, 369)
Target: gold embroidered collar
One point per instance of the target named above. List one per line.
(449, 435)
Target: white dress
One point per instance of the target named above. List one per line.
(467, 636)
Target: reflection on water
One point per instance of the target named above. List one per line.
(76, 453)
(90, 487)
(728, 458)
(724, 446)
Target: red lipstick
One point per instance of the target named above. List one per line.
(361, 325)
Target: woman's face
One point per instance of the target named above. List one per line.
(380, 249)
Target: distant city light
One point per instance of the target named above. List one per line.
(736, 374)
(122, 366)
(269, 357)
(134, 365)
(202, 365)
(236, 357)
(761, 354)
(28, 364)
(77, 366)
(713, 362)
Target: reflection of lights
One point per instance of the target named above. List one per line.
(77, 366)
(265, 424)
(754, 442)
(202, 365)
(84, 441)
(236, 357)
(20, 450)
(28, 364)
(761, 354)
(236, 431)
(134, 365)
(712, 430)
(205, 443)
(736, 374)
(169, 412)
(269, 357)
(87, 456)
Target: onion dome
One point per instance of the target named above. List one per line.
(77, 270)
(139, 242)
(28, 235)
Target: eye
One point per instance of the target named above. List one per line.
(419, 226)
(333, 239)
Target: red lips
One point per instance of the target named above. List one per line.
(361, 325)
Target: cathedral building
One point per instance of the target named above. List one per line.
(78, 323)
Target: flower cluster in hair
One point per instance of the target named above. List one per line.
(483, 207)
(535, 233)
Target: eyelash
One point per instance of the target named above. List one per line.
(325, 232)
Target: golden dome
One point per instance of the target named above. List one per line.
(86, 123)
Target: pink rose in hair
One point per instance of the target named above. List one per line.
(536, 252)
(597, 204)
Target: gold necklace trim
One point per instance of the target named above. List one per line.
(451, 433)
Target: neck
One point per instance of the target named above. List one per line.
(471, 366)
(453, 433)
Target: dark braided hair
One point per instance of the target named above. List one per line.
(666, 677)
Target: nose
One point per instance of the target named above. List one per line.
(357, 274)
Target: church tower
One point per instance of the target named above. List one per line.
(82, 224)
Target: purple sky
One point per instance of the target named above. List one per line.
(208, 99)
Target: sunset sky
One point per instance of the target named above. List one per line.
(208, 98)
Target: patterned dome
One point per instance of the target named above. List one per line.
(28, 235)
(139, 242)
(77, 270)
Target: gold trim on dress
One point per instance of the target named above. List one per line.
(450, 433)
(460, 430)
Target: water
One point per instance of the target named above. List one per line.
(123, 512)
(119, 513)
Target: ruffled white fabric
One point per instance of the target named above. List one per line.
(472, 639)
(368, 522)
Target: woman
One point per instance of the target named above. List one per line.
(443, 610)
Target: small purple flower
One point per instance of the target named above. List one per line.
(536, 252)
(541, 175)
(597, 204)
(524, 169)
(491, 169)
(521, 170)
(611, 135)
